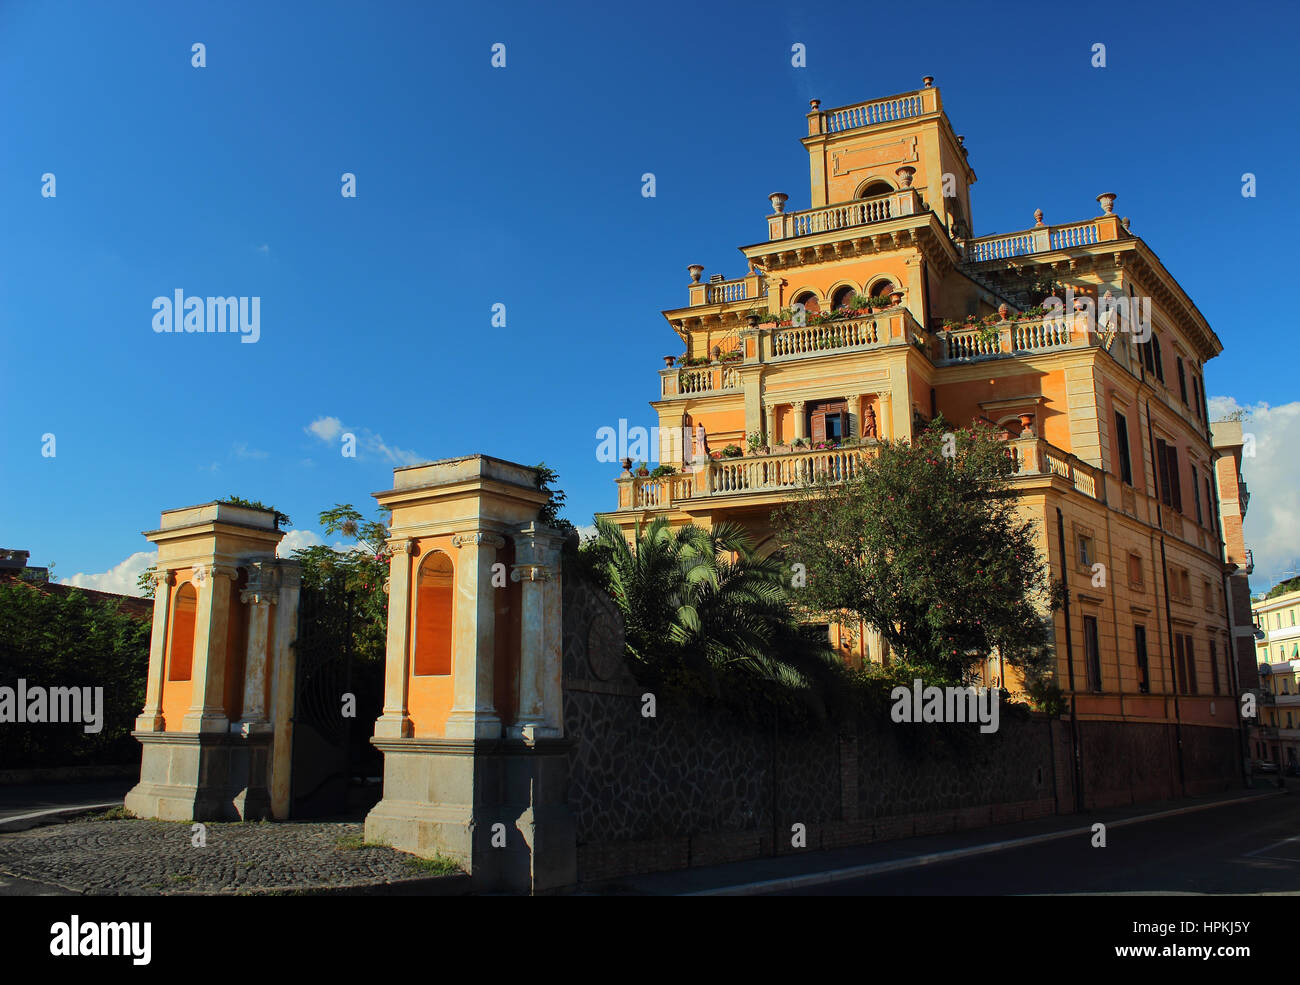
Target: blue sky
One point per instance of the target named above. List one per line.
(522, 186)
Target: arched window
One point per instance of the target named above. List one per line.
(876, 188)
(809, 301)
(435, 586)
(183, 612)
(842, 298)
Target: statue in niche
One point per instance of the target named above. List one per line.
(869, 423)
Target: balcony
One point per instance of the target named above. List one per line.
(1032, 459)
(772, 343)
(1040, 239)
(1003, 340)
(845, 215)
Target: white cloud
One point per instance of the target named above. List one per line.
(326, 428)
(243, 451)
(586, 533)
(119, 579)
(1272, 474)
(296, 540)
(369, 444)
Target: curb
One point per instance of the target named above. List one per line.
(25, 821)
(934, 858)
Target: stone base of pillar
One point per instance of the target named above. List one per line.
(498, 808)
(202, 777)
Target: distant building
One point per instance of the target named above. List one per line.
(13, 564)
(1278, 653)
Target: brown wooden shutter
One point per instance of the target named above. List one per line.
(819, 426)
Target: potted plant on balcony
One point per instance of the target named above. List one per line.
(757, 441)
(732, 451)
(799, 443)
(642, 470)
(662, 471)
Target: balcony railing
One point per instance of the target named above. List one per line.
(1031, 457)
(1010, 338)
(1040, 239)
(844, 215)
(804, 340)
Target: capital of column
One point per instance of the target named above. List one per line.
(206, 570)
(478, 538)
(404, 545)
(798, 404)
(257, 596)
(164, 577)
(531, 572)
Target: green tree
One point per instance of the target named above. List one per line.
(701, 610)
(925, 543)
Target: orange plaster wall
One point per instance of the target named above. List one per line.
(821, 280)
(960, 402)
(1055, 426)
(722, 427)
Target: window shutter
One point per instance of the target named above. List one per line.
(819, 426)
(1175, 478)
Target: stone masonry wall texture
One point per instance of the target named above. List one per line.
(695, 786)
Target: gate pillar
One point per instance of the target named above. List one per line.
(214, 720)
(475, 762)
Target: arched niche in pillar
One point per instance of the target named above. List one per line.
(178, 687)
(508, 602)
(431, 690)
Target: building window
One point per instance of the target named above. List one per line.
(1171, 492)
(1144, 671)
(809, 301)
(828, 421)
(1157, 358)
(1182, 380)
(1085, 551)
(1209, 505)
(1196, 494)
(1092, 652)
(1191, 665)
(1134, 571)
(1214, 667)
(1196, 396)
(1125, 459)
(841, 298)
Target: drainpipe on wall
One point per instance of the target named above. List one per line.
(1069, 662)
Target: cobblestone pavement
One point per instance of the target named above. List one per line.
(137, 857)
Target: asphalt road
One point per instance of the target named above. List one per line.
(1251, 847)
(23, 799)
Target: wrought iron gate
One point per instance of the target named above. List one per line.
(332, 754)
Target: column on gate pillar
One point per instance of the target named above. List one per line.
(537, 568)
(283, 675)
(770, 421)
(395, 721)
(259, 597)
(151, 718)
(473, 713)
(211, 623)
(800, 419)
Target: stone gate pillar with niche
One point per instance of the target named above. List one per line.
(216, 726)
(472, 730)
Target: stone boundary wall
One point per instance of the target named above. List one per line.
(694, 785)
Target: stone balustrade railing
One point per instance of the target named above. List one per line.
(844, 215)
(904, 106)
(803, 340)
(1012, 338)
(793, 470)
(701, 379)
(734, 290)
(1040, 239)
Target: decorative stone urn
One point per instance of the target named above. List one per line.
(1107, 200)
(778, 200)
(627, 464)
(753, 320)
(1026, 425)
(815, 104)
(669, 360)
(905, 175)
(695, 270)
(1038, 217)
(717, 352)
(927, 82)
(1004, 310)
(896, 296)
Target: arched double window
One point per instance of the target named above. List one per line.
(184, 609)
